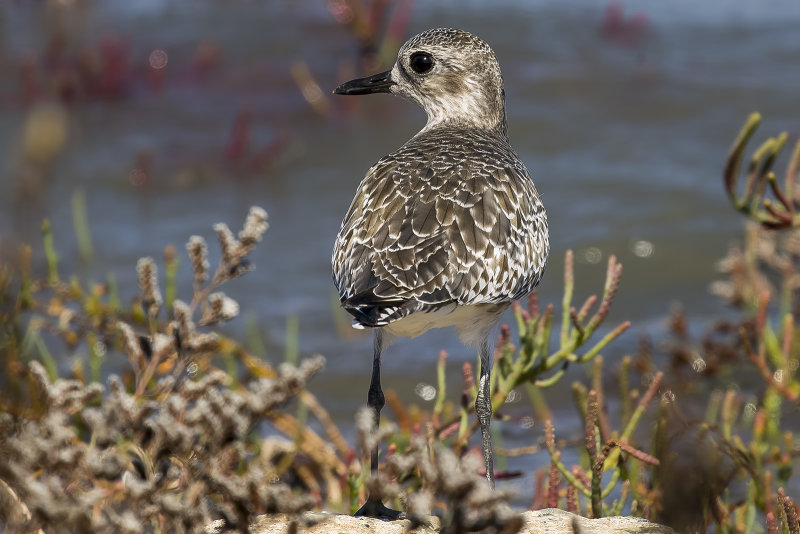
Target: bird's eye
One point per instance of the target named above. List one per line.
(421, 62)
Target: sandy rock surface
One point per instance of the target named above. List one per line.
(550, 521)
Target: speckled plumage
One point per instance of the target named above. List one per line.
(452, 218)
(449, 229)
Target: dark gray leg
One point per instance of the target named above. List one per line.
(483, 407)
(375, 400)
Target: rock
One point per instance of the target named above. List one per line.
(336, 524)
(551, 521)
(554, 521)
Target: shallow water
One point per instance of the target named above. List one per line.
(625, 133)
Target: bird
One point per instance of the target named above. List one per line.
(449, 229)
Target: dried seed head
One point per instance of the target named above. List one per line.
(237, 270)
(62, 396)
(148, 284)
(183, 324)
(221, 308)
(420, 504)
(234, 250)
(254, 227)
(131, 345)
(198, 254)
(163, 345)
(204, 342)
(227, 244)
(104, 463)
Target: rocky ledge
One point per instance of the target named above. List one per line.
(550, 520)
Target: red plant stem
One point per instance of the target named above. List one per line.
(466, 370)
(539, 496)
(783, 218)
(779, 194)
(587, 306)
(552, 485)
(549, 434)
(634, 452)
(572, 499)
(772, 524)
(590, 435)
(533, 304)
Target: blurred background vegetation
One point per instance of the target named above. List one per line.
(129, 127)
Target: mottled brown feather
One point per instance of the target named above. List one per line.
(467, 233)
(450, 223)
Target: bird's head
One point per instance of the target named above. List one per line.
(453, 75)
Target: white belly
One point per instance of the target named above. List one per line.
(473, 321)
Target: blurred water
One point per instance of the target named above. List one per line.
(625, 132)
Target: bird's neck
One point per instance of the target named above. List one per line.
(496, 123)
(468, 109)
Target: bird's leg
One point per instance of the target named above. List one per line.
(483, 407)
(375, 400)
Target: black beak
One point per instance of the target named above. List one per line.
(377, 83)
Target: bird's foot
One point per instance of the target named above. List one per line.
(375, 508)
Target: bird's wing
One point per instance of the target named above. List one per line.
(424, 232)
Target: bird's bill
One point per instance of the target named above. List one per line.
(377, 83)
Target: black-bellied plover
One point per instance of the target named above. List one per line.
(448, 230)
